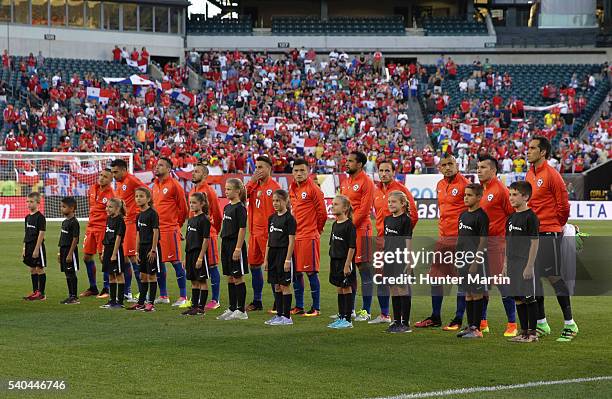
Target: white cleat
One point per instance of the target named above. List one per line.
(238, 315)
(272, 320)
(282, 321)
(162, 300)
(179, 302)
(362, 315)
(380, 320)
(226, 313)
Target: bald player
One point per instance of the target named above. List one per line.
(359, 189)
(125, 184)
(549, 201)
(388, 184)
(450, 190)
(259, 193)
(198, 178)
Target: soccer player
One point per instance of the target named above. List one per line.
(397, 231)
(549, 201)
(342, 248)
(68, 256)
(148, 254)
(308, 207)
(279, 257)
(126, 183)
(170, 203)
(113, 258)
(386, 171)
(33, 253)
(198, 178)
(259, 193)
(234, 250)
(450, 190)
(359, 189)
(99, 194)
(521, 251)
(196, 250)
(472, 235)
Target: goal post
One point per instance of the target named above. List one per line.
(52, 174)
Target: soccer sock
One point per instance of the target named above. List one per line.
(69, 285)
(347, 307)
(469, 307)
(286, 305)
(353, 294)
(34, 278)
(203, 298)
(298, 290)
(437, 292)
(42, 283)
(478, 308)
(120, 293)
(397, 309)
(127, 275)
(195, 297)
(510, 307)
(90, 266)
(231, 289)
(181, 279)
(521, 309)
(257, 283)
(161, 280)
(532, 316)
(541, 312)
(485, 306)
(241, 296)
(278, 302)
(366, 289)
(136, 269)
(315, 290)
(113, 293)
(460, 306)
(74, 281)
(152, 291)
(406, 302)
(106, 279)
(142, 295)
(383, 299)
(563, 299)
(273, 296)
(215, 282)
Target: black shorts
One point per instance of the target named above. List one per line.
(276, 267)
(336, 274)
(193, 273)
(146, 266)
(520, 287)
(29, 260)
(72, 266)
(234, 268)
(473, 283)
(115, 267)
(548, 260)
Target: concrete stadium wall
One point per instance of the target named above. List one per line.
(82, 43)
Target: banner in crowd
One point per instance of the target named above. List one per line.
(98, 94)
(140, 64)
(14, 207)
(65, 184)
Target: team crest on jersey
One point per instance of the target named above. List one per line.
(124, 187)
(540, 182)
(490, 197)
(356, 187)
(268, 192)
(104, 200)
(303, 195)
(165, 190)
(454, 192)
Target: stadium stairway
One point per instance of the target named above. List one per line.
(417, 123)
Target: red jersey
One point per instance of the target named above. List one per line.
(125, 190)
(549, 199)
(381, 205)
(496, 204)
(260, 206)
(308, 208)
(450, 204)
(359, 189)
(98, 198)
(214, 210)
(169, 202)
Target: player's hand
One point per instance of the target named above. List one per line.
(347, 270)
(23, 252)
(113, 258)
(68, 258)
(182, 237)
(264, 265)
(198, 264)
(59, 258)
(287, 266)
(137, 257)
(151, 256)
(236, 254)
(505, 270)
(36, 254)
(528, 273)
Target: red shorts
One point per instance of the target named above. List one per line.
(441, 269)
(169, 243)
(213, 251)
(307, 255)
(496, 254)
(129, 241)
(92, 242)
(257, 248)
(363, 248)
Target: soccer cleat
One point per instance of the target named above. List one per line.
(272, 320)
(212, 305)
(29, 297)
(473, 333)
(201, 310)
(427, 323)
(569, 333)
(282, 321)
(162, 299)
(182, 302)
(103, 294)
(461, 333)
(334, 323)
(190, 312)
(381, 319)
(511, 330)
(89, 292)
(254, 306)
(226, 313)
(136, 306)
(403, 328)
(116, 306)
(38, 297)
(543, 329)
(363, 315)
(149, 308)
(238, 315)
(343, 324)
(65, 301)
(72, 301)
(454, 325)
(393, 328)
(484, 326)
(107, 305)
(297, 311)
(312, 313)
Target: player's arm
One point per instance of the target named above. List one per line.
(183, 210)
(39, 241)
(153, 252)
(352, 240)
(137, 245)
(413, 211)
(215, 210)
(239, 243)
(483, 231)
(116, 246)
(205, 228)
(251, 186)
(320, 209)
(74, 243)
(561, 198)
(533, 252)
(265, 261)
(365, 208)
(289, 252)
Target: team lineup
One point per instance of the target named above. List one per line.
(134, 230)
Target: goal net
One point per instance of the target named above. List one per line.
(54, 175)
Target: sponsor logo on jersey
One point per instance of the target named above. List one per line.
(513, 227)
(335, 237)
(273, 229)
(464, 226)
(388, 230)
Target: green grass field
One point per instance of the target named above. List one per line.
(100, 352)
